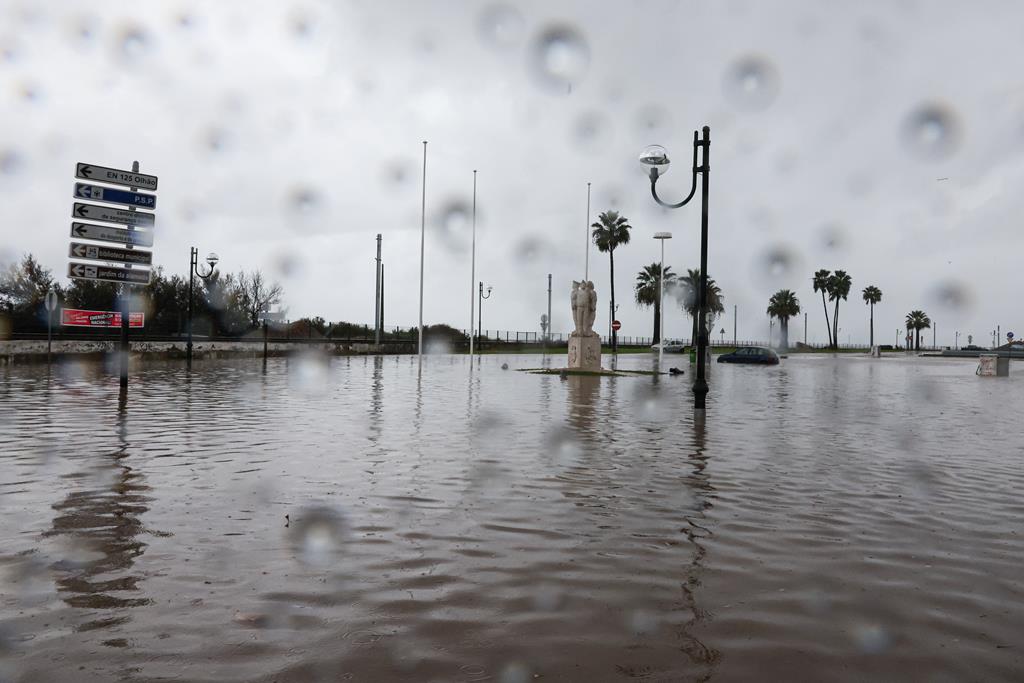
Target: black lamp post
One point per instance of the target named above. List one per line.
(193, 270)
(480, 313)
(656, 157)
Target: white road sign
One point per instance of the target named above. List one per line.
(115, 176)
(104, 233)
(110, 214)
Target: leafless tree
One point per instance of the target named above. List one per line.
(256, 295)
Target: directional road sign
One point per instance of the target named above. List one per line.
(112, 196)
(77, 318)
(103, 233)
(81, 271)
(112, 215)
(115, 176)
(616, 325)
(95, 252)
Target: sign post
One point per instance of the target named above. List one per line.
(51, 304)
(122, 258)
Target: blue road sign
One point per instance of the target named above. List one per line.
(1009, 336)
(112, 196)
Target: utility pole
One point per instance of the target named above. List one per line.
(382, 296)
(376, 307)
(548, 334)
(733, 324)
(125, 302)
(805, 329)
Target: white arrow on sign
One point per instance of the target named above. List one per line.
(110, 214)
(103, 233)
(115, 176)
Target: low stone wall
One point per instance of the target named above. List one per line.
(19, 351)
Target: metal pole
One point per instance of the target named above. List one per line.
(49, 331)
(191, 280)
(423, 240)
(265, 326)
(700, 387)
(661, 305)
(376, 307)
(125, 304)
(734, 324)
(480, 313)
(548, 332)
(382, 296)
(805, 329)
(472, 269)
(586, 246)
(935, 326)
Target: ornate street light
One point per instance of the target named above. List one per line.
(656, 157)
(193, 270)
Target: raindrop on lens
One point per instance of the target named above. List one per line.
(832, 237)
(10, 162)
(951, 296)
(514, 672)
(871, 638)
(318, 534)
(778, 263)
(652, 121)
(304, 200)
(501, 26)
(132, 43)
(751, 83)
(932, 132)
(560, 57)
(454, 223)
(591, 131)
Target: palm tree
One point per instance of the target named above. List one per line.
(686, 290)
(647, 291)
(872, 295)
(821, 279)
(917, 321)
(783, 305)
(838, 288)
(610, 231)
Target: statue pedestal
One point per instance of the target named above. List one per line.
(585, 352)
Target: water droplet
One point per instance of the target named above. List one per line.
(592, 131)
(514, 672)
(454, 224)
(653, 121)
(547, 598)
(399, 172)
(215, 139)
(318, 535)
(642, 622)
(289, 264)
(501, 26)
(832, 237)
(932, 132)
(951, 296)
(751, 83)
(304, 200)
(10, 162)
(779, 264)
(530, 249)
(133, 43)
(560, 58)
(871, 638)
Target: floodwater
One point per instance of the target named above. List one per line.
(347, 519)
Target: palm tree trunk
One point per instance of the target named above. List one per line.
(693, 335)
(657, 322)
(872, 324)
(611, 263)
(784, 333)
(835, 326)
(827, 326)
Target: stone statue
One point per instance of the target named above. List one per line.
(584, 308)
(584, 343)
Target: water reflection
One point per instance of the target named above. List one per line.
(100, 527)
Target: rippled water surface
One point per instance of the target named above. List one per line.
(348, 519)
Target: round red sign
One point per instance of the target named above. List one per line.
(616, 325)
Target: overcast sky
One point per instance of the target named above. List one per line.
(884, 138)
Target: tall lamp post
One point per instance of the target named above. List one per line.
(661, 237)
(656, 157)
(480, 313)
(193, 270)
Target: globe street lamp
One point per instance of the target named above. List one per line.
(656, 157)
(480, 312)
(661, 237)
(193, 270)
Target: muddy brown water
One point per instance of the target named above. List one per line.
(351, 519)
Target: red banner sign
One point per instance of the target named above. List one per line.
(77, 318)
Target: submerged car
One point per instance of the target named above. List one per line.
(758, 355)
(670, 347)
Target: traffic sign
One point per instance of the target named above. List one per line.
(1009, 336)
(74, 317)
(51, 300)
(94, 252)
(81, 271)
(616, 325)
(103, 233)
(112, 196)
(115, 176)
(111, 215)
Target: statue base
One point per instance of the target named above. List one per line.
(585, 352)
